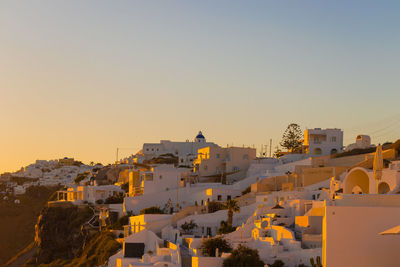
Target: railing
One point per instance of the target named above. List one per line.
(93, 219)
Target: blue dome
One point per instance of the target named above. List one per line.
(200, 136)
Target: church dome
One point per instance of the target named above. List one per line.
(200, 137)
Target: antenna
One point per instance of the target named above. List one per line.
(119, 148)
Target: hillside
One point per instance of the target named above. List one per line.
(17, 224)
(63, 240)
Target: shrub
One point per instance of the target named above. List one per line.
(152, 210)
(77, 163)
(118, 225)
(209, 246)
(244, 257)
(278, 263)
(188, 227)
(97, 252)
(118, 198)
(80, 177)
(214, 206)
(125, 187)
(246, 191)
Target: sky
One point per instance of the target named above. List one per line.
(81, 78)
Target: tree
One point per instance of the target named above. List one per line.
(278, 263)
(188, 227)
(243, 257)
(292, 137)
(119, 224)
(152, 210)
(225, 229)
(116, 199)
(209, 246)
(232, 207)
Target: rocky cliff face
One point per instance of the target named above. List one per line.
(59, 233)
(63, 239)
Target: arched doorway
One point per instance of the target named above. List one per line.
(357, 181)
(356, 190)
(333, 151)
(383, 188)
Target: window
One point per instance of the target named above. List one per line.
(205, 167)
(152, 149)
(228, 197)
(147, 149)
(181, 160)
(219, 197)
(217, 156)
(148, 177)
(160, 177)
(265, 199)
(333, 139)
(245, 156)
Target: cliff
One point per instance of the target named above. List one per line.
(63, 238)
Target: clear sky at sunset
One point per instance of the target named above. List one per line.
(81, 78)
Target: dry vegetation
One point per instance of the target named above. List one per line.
(17, 224)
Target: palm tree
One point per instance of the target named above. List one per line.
(232, 207)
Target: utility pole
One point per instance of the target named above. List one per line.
(117, 153)
(270, 147)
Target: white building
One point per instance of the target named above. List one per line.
(352, 227)
(160, 178)
(89, 193)
(362, 181)
(184, 196)
(215, 162)
(185, 151)
(319, 142)
(146, 249)
(152, 222)
(362, 142)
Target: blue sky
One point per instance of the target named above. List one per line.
(80, 78)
